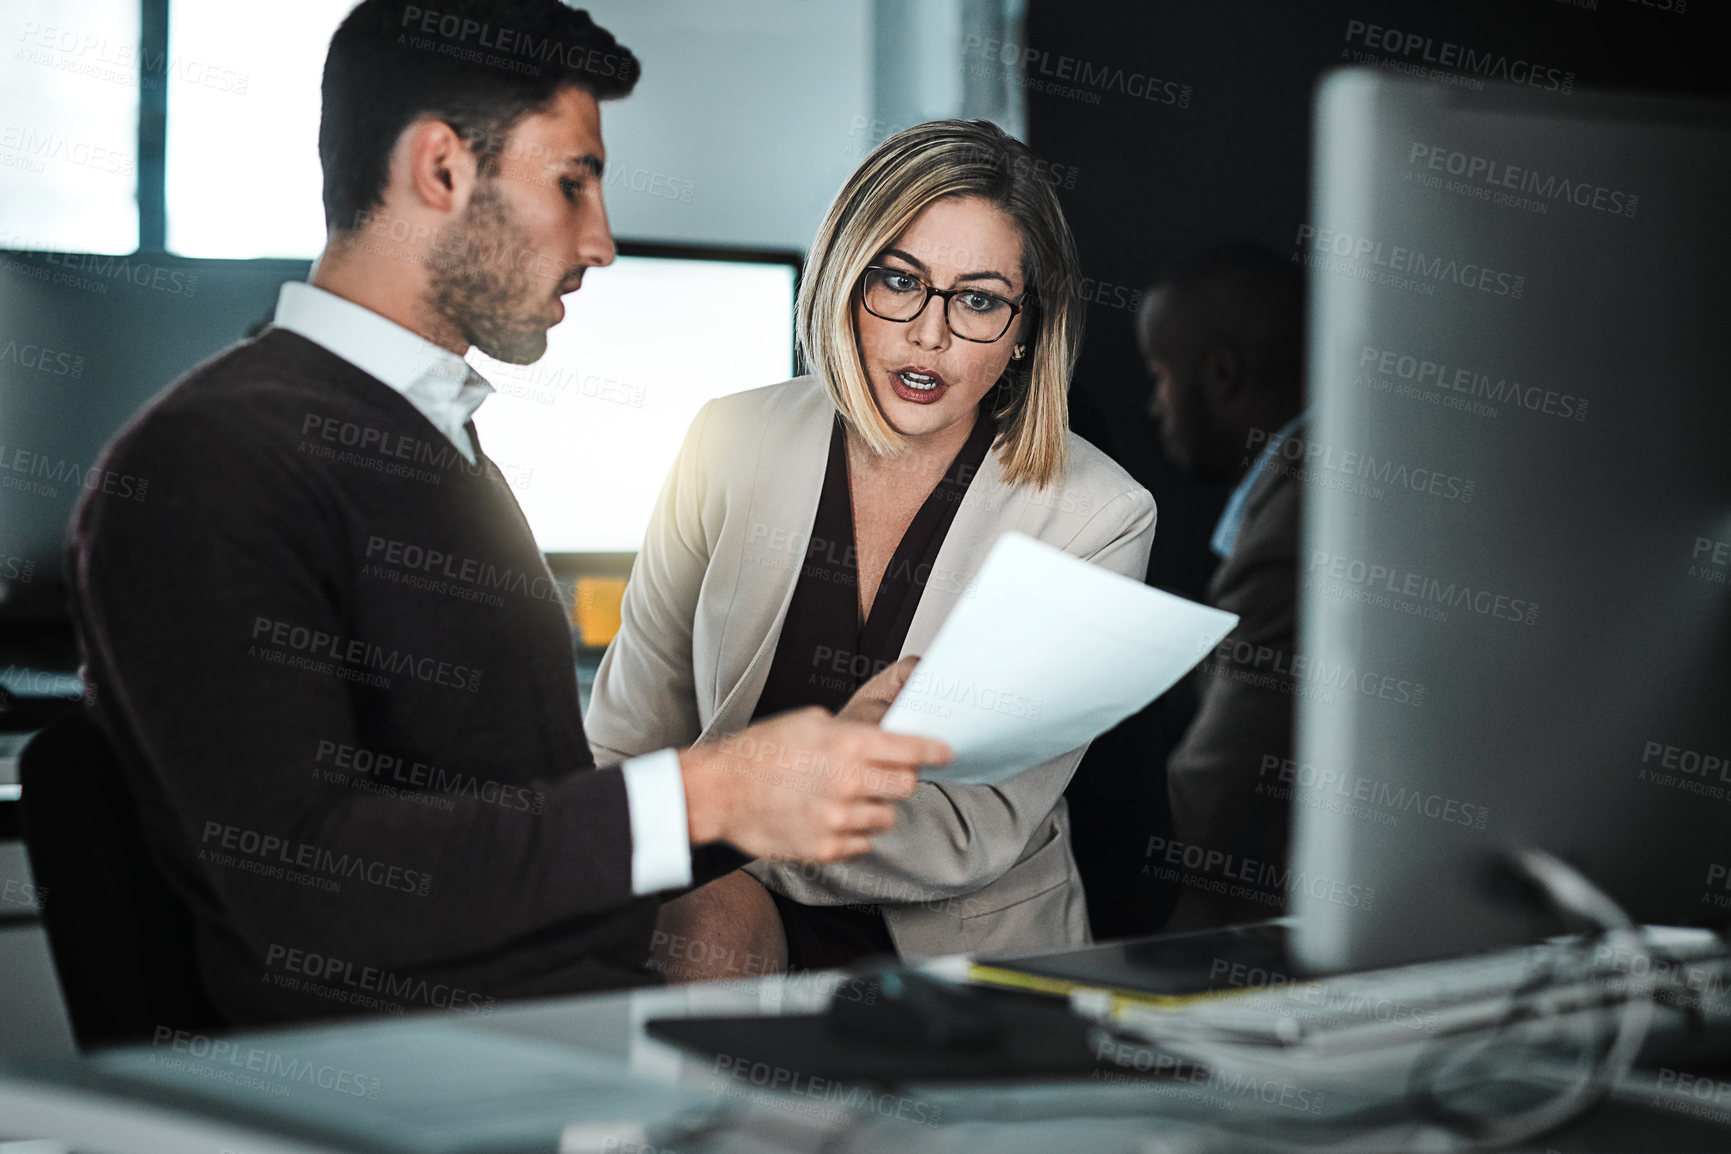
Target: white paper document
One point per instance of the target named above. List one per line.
(1043, 653)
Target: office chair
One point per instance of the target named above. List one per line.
(122, 941)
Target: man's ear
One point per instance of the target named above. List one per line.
(441, 170)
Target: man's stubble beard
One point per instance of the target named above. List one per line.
(475, 284)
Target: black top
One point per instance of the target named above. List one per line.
(825, 652)
(340, 680)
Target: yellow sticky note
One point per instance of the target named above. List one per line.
(596, 609)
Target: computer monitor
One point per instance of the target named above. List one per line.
(586, 435)
(1518, 500)
(86, 339)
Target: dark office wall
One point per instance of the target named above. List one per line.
(1173, 123)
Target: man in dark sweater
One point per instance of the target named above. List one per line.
(334, 663)
(1222, 336)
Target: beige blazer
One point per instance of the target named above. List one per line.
(970, 868)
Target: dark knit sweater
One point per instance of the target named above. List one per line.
(340, 678)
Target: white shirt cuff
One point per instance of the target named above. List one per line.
(660, 834)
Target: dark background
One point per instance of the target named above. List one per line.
(1155, 180)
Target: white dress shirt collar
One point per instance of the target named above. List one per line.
(442, 385)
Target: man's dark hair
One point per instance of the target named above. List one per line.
(1246, 294)
(479, 65)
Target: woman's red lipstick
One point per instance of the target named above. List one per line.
(918, 385)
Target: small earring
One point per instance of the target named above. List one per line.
(1016, 353)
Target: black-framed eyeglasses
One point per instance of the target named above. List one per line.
(895, 294)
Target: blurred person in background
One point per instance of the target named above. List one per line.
(1222, 336)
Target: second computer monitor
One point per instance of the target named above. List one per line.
(1514, 600)
(586, 434)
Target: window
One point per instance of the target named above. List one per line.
(243, 177)
(69, 135)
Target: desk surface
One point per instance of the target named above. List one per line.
(579, 1074)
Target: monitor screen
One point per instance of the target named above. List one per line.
(586, 434)
(87, 339)
(1516, 501)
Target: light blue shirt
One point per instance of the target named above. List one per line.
(1225, 537)
(447, 391)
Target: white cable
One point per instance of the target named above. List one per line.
(1629, 1004)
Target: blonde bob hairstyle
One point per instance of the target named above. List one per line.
(904, 174)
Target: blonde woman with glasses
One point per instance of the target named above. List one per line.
(814, 532)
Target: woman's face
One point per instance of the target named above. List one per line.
(926, 379)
